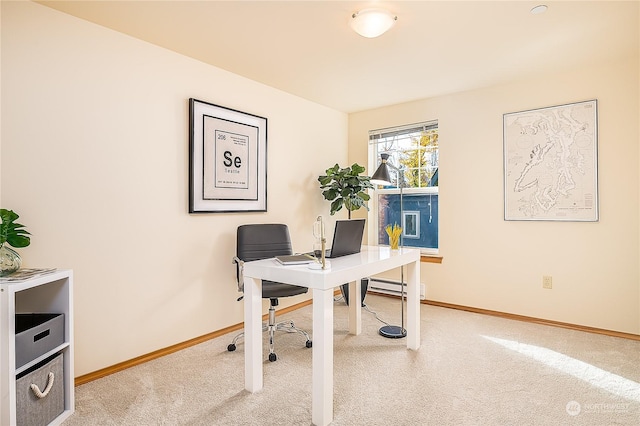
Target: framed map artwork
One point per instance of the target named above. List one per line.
(551, 163)
(227, 160)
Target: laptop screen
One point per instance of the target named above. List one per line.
(347, 237)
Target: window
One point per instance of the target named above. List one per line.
(412, 149)
(411, 224)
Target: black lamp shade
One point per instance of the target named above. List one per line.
(381, 176)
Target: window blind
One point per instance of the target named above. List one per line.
(380, 135)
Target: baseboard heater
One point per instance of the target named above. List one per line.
(392, 287)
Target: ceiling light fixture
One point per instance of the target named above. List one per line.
(542, 8)
(372, 23)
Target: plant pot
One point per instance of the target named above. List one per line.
(10, 261)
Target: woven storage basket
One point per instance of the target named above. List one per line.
(40, 404)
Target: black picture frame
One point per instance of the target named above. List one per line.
(227, 159)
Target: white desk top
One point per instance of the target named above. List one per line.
(370, 261)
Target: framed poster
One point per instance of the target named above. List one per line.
(551, 163)
(227, 160)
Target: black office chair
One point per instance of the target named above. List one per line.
(262, 241)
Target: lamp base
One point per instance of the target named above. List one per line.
(392, 332)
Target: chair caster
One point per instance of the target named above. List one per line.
(272, 357)
(231, 347)
(308, 344)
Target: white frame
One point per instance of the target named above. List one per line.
(372, 228)
(227, 160)
(416, 215)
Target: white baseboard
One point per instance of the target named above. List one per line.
(392, 287)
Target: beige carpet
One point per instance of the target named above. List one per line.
(471, 369)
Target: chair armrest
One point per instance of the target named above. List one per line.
(239, 273)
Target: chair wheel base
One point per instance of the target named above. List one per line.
(272, 357)
(231, 347)
(309, 344)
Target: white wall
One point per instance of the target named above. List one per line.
(638, 94)
(95, 161)
(493, 264)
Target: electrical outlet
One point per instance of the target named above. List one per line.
(547, 282)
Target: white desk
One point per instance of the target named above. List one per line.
(348, 269)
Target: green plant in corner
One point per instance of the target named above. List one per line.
(12, 232)
(345, 187)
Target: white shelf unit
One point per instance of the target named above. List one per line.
(48, 293)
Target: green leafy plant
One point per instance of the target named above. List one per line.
(11, 232)
(345, 187)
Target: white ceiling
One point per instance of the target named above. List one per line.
(436, 47)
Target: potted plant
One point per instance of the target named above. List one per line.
(345, 187)
(11, 234)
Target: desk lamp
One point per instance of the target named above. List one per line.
(382, 177)
(320, 246)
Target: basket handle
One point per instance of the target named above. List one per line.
(45, 392)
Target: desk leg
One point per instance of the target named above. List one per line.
(355, 308)
(322, 382)
(413, 305)
(252, 334)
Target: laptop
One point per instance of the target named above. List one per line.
(347, 238)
